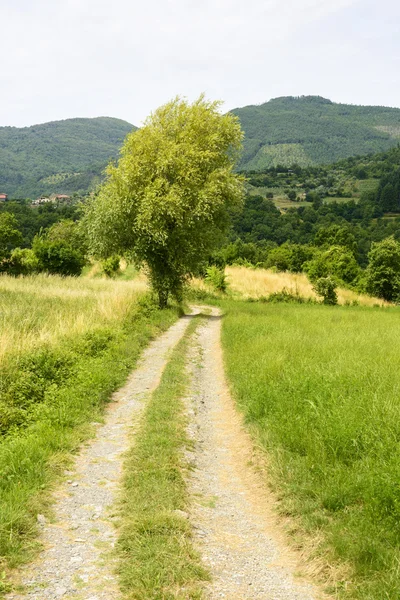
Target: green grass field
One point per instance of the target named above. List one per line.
(320, 389)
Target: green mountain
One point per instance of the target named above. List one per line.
(62, 156)
(70, 156)
(309, 130)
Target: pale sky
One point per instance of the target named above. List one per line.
(122, 58)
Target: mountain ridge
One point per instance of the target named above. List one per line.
(69, 156)
(76, 150)
(311, 130)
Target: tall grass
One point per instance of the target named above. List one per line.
(320, 388)
(42, 309)
(255, 283)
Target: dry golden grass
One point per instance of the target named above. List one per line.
(253, 283)
(43, 309)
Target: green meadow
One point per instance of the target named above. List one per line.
(320, 390)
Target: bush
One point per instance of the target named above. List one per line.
(23, 261)
(337, 261)
(216, 278)
(111, 265)
(285, 296)
(57, 257)
(326, 287)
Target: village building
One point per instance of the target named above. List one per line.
(53, 199)
(3, 197)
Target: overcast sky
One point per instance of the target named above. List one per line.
(122, 58)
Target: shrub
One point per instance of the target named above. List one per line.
(57, 257)
(285, 296)
(23, 261)
(111, 265)
(337, 261)
(216, 278)
(326, 287)
(383, 271)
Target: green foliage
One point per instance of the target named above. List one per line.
(337, 261)
(336, 235)
(57, 257)
(110, 265)
(388, 196)
(167, 201)
(326, 288)
(75, 151)
(312, 130)
(216, 278)
(34, 219)
(288, 257)
(383, 271)
(320, 389)
(22, 261)
(10, 235)
(68, 232)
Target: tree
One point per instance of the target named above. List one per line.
(326, 288)
(57, 257)
(10, 235)
(337, 261)
(383, 271)
(167, 201)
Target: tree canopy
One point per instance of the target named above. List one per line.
(167, 201)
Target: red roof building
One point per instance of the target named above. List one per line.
(3, 197)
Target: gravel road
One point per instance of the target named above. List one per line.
(235, 527)
(75, 563)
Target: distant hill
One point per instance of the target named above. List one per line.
(311, 130)
(61, 156)
(70, 156)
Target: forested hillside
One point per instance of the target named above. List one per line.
(310, 130)
(61, 156)
(70, 156)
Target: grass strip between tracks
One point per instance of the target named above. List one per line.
(157, 557)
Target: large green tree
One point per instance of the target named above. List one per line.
(167, 201)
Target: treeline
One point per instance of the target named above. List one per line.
(323, 240)
(45, 238)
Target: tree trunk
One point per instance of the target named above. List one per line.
(162, 298)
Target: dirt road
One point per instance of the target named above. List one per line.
(232, 515)
(233, 521)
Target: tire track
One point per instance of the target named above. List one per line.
(234, 524)
(77, 562)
